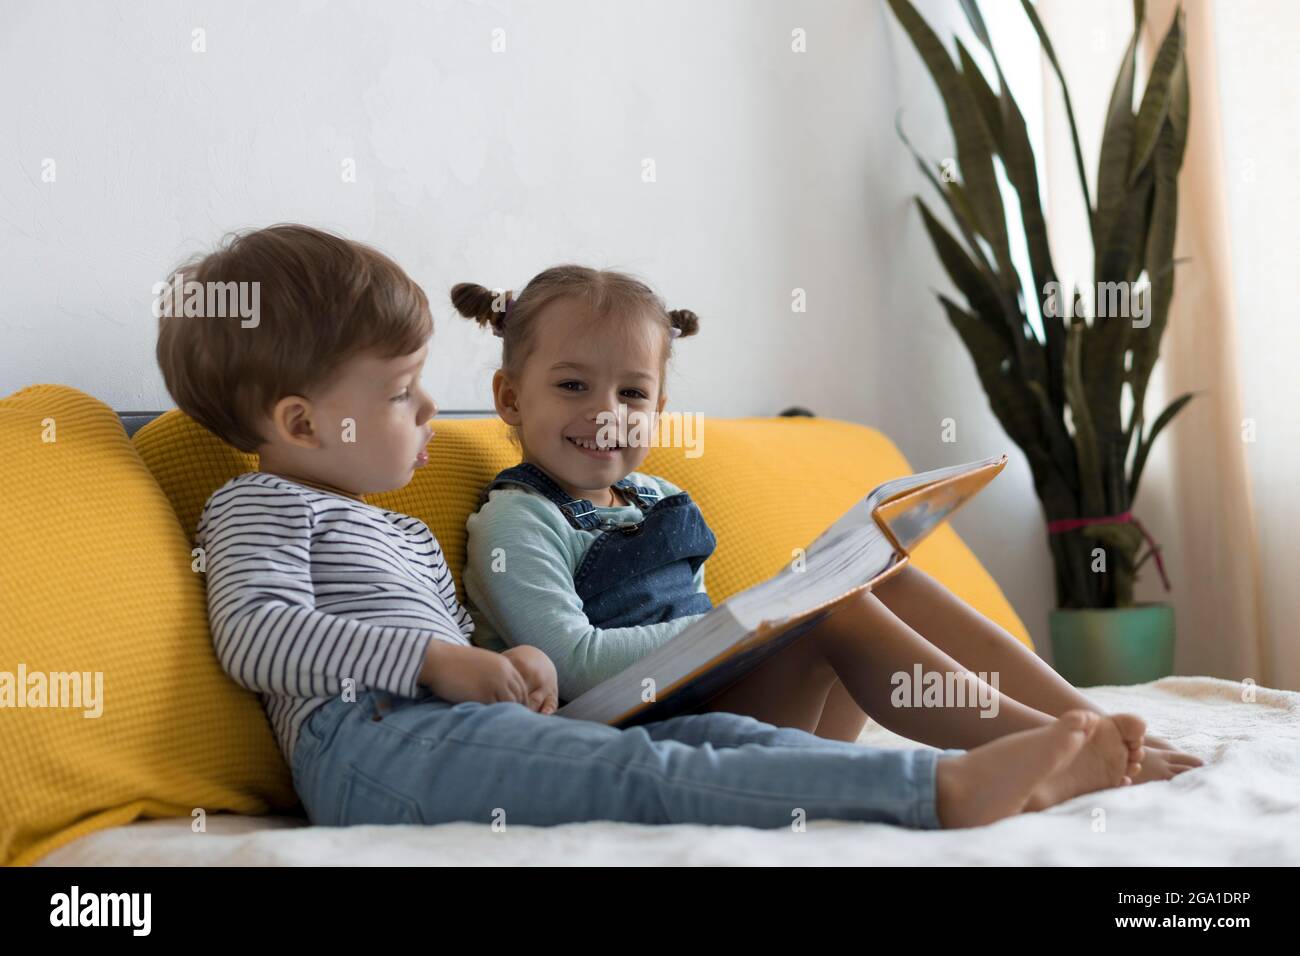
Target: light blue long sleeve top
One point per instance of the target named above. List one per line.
(522, 557)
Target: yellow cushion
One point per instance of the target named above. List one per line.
(97, 579)
(765, 485)
(191, 463)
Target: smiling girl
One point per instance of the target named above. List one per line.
(576, 552)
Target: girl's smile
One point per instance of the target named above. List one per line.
(591, 447)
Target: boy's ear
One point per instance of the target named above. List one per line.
(506, 398)
(291, 422)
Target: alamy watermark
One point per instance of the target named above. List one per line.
(129, 910)
(1102, 300)
(922, 688)
(53, 689)
(180, 297)
(636, 429)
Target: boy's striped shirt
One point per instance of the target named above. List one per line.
(306, 589)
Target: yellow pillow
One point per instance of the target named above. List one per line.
(466, 453)
(97, 580)
(765, 485)
(190, 463)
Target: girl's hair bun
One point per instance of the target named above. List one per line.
(685, 320)
(475, 302)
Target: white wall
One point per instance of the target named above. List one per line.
(775, 170)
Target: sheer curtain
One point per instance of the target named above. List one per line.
(1217, 492)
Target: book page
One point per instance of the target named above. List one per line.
(838, 563)
(854, 550)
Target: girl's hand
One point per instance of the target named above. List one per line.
(457, 673)
(538, 672)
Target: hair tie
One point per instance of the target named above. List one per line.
(496, 330)
(674, 332)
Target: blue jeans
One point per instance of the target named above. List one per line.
(386, 759)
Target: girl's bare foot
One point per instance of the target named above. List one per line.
(998, 779)
(1111, 758)
(1165, 763)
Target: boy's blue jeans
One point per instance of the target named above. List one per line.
(387, 759)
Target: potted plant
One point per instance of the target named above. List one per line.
(1058, 396)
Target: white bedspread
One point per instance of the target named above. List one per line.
(1243, 807)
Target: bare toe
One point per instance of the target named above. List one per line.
(1131, 727)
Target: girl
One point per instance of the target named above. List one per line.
(575, 552)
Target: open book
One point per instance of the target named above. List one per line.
(866, 546)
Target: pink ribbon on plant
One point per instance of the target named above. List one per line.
(1070, 524)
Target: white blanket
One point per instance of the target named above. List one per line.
(1242, 807)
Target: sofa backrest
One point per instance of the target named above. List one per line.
(134, 421)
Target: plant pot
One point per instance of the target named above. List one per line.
(1125, 645)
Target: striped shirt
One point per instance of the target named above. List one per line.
(307, 589)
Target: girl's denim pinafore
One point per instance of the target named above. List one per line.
(637, 573)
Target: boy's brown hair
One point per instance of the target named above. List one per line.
(322, 300)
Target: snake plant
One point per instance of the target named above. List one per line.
(1058, 396)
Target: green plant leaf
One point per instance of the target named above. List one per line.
(984, 96)
(1119, 256)
(1124, 210)
(1144, 445)
(972, 11)
(1009, 400)
(1134, 429)
(1058, 439)
(1168, 159)
(960, 207)
(981, 295)
(955, 199)
(1006, 311)
(974, 143)
(1116, 148)
(988, 352)
(1022, 170)
(1028, 7)
(1155, 98)
(1085, 438)
(1180, 104)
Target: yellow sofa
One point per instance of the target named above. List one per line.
(99, 528)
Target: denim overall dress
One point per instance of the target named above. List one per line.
(637, 572)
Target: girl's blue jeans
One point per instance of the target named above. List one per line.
(387, 759)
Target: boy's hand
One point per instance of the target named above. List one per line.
(538, 672)
(457, 673)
